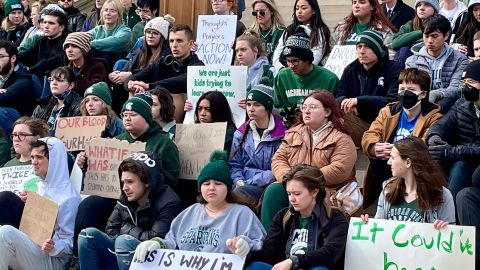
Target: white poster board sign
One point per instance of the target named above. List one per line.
(215, 38)
(12, 178)
(231, 81)
(340, 57)
(183, 260)
(386, 244)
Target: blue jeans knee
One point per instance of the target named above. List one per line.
(125, 246)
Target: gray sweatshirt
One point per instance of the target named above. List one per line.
(194, 230)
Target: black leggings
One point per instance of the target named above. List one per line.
(12, 209)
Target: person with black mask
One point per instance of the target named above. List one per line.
(412, 115)
(454, 141)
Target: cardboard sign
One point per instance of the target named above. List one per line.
(195, 143)
(12, 178)
(215, 38)
(392, 245)
(76, 131)
(39, 218)
(340, 57)
(103, 157)
(230, 81)
(180, 260)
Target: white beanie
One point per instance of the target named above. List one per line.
(158, 24)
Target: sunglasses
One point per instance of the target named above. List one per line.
(261, 12)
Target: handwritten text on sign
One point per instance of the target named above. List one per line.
(195, 143)
(39, 218)
(215, 37)
(340, 57)
(395, 245)
(76, 131)
(12, 178)
(180, 259)
(104, 157)
(230, 81)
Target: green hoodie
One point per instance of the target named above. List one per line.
(158, 141)
(406, 36)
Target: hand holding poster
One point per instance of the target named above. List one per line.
(181, 259)
(103, 158)
(39, 218)
(215, 38)
(12, 178)
(340, 57)
(76, 131)
(394, 245)
(195, 143)
(230, 81)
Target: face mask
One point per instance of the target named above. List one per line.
(470, 93)
(63, 95)
(408, 100)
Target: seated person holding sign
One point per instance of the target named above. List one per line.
(17, 250)
(145, 210)
(219, 222)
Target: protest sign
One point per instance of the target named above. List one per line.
(340, 57)
(395, 245)
(39, 218)
(12, 178)
(76, 131)
(195, 143)
(230, 81)
(215, 38)
(103, 158)
(181, 259)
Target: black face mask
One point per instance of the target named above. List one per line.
(408, 99)
(470, 93)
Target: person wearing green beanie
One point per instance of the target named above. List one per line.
(15, 25)
(216, 169)
(140, 126)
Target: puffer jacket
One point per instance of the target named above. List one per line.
(460, 128)
(152, 219)
(334, 153)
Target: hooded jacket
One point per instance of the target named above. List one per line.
(373, 88)
(20, 93)
(152, 219)
(158, 141)
(457, 27)
(252, 163)
(57, 187)
(449, 68)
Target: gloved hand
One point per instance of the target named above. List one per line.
(443, 152)
(242, 248)
(435, 140)
(143, 249)
(434, 96)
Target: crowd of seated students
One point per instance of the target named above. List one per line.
(410, 103)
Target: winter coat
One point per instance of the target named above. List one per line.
(373, 88)
(252, 162)
(451, 69)
(460, 128)
(75, 20)
(152, 219)
(161, 74)
(133, 64)
(458, 27)
(20, 93)
(17, 34)
(92, 19)
(327, 238)
(402, 13)
(91, 72)
(334, 153)
(114, 129)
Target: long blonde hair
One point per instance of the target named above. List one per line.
(277, 20)
(116, 5)
(6, 24)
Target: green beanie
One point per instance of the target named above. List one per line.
(216, 169)
(374, 40)
(262, 93)
(12, 5)
(100, 90)
(141, 104)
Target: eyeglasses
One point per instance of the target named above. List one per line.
(261, 12)
(60, 80)
(293, 62)
(20, 136)
(142, 11)
(309, 107)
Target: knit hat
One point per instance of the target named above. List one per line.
(141, 104)
(297, 45)
(374, 40)
(158, 24)
(433, 3)
(472, 71)
(12, 5)
(100, 90)
(41, 15)
(216, 169)
(262, 93)
(79, 39)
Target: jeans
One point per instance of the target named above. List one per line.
(468, 206)
(95, 250)
(18, 251)
(275, 199)
(250, 192)
(266, 266)
(8, 116)
(460, 176)
(402, 54)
